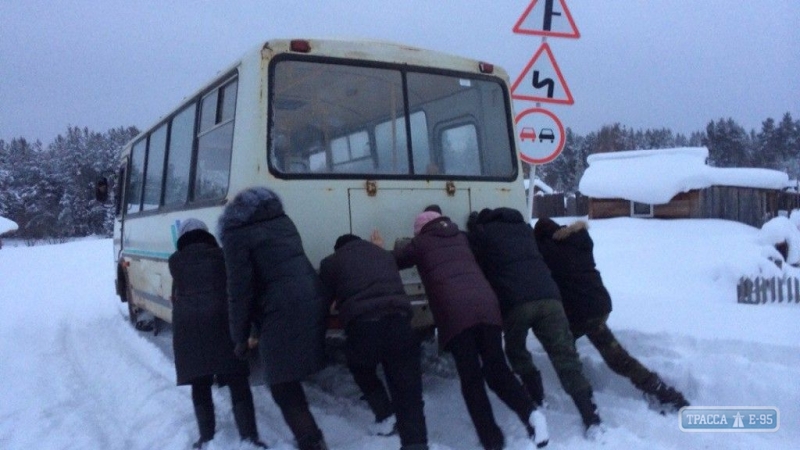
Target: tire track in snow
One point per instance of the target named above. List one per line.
(97, 361)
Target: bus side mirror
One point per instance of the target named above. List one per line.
(101, 190)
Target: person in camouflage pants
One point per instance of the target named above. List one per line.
(568, 251)
(505, 248)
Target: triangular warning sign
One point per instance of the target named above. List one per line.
(541, 80)
(545, 18)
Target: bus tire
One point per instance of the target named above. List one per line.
(134, 311)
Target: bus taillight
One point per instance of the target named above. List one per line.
(300, 45)
(486, 67)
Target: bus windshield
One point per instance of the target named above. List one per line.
(339, 119)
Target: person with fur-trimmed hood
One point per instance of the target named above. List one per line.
(201, 340)
(272, 284)
(364, 281)
(506, 250)
(469, 324)
(569, 253)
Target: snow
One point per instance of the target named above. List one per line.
(7, 225)
(656, 176)
(76, 375)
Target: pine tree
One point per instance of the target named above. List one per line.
(728, 144)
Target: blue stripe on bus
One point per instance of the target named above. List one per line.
(174, 229)
(154, 298)
(145, 253)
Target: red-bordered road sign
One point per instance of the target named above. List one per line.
(544, 18)
(541, 135)
(541, 80)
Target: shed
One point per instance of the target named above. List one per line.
(6, 226)
(678, 183)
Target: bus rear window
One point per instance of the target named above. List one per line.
(331, 119)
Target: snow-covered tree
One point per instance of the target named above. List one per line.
(728, 144)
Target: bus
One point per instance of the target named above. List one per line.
(352, 135)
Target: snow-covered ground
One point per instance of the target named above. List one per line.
(75, 375)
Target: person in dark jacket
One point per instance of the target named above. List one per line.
(201, 338)
(506, 250)
(468, 322)
(569, 253)
(272, 284)
(376, 313)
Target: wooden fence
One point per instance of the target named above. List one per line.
(768, 290)
(560, 205)
(746, 205)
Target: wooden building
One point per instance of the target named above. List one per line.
(677, 183)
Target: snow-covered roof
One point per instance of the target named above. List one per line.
(7, 225)
(656, 176)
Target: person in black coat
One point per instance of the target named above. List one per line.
(569, 252)
(506, 250)
(272, 284)
(364, 281)
(201, 341)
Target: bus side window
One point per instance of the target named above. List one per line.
(133, 190)
(118, 192)
(179, 158)
(215, 142)
(156, 151)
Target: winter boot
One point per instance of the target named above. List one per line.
(206, 423)
(415, 447)
(313, 441)
(662, 397)
(386, 427)
(381, 406)
(245, 417)
(540, 435)
(533, 384)
(587, 409)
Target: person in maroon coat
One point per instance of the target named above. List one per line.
(468, 321)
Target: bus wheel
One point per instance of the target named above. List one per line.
(140, 319)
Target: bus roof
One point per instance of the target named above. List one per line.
(354, 49)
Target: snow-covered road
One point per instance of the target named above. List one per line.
(75, 375)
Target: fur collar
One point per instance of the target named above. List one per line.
(564, 232)
(254, 204)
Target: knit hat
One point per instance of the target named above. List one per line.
(423, 218)
(191, 225)
(344, 239)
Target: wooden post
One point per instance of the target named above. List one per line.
(796, 290)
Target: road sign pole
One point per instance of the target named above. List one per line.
(531, 177)
(537, 125)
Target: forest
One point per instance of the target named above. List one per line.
(48, 190)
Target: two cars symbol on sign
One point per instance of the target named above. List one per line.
(547, 144)
(529, 133)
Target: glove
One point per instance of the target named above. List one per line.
(241, 351)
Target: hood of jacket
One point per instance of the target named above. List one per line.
(440, 226)
(252, 205)
(565, 232)
(503, 214)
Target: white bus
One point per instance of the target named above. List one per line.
(352, 135)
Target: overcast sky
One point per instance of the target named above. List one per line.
(645, 64)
